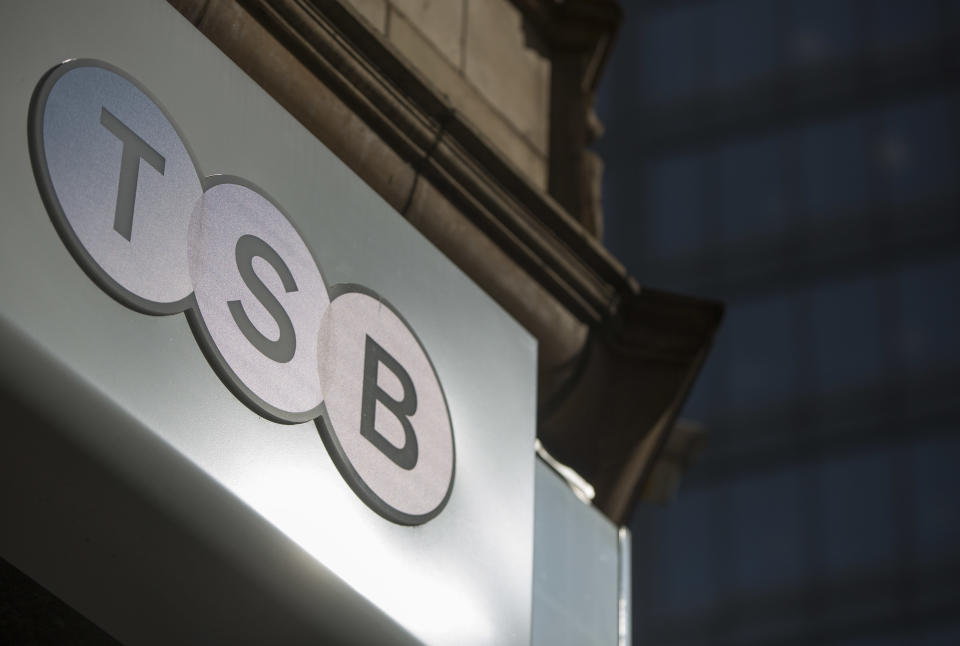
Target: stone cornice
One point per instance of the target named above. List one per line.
(616, 361)
(422, 126)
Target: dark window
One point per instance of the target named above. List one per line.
(835, 167)
(683, 36)
(857, 528)
(930, 314)
(769, 531)
(821, 31)
(898, 23)
(935, 505)
(751, 195)
(674, 209)
(915, 153)
(848, 342)
(762, 370)
(746, 42)
(691, 540)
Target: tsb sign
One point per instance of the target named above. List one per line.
(129, 202)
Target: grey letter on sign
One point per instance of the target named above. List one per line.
(283, 349)
(134, 149)
(405, 456)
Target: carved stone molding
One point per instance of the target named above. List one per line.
(616, 361)
(580, 34)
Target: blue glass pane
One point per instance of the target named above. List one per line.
(930, 339)
(769, 532)
(937, 476)
(762, 370)
(746, 42)
(675, 54)
(915, 153)
(953, 14)
(896, 23)
(942, 636)
(752, 201)
(674, 203)
(848, 337)
(858, 529)
(821, 30)
(874, 639)
(689, 553)
(835, 166)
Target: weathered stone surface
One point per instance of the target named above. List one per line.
(373, 11)
(467, 100)
(318, 108)
(439, 21)
(508, 64)
(559, 333)
(306, 97)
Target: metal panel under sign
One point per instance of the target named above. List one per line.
(246, 401)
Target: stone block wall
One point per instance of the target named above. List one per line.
(481, 55)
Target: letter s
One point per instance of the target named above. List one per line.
(283, 349)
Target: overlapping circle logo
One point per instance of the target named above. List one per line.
(127, 199)
(378, 378)
(258, 299)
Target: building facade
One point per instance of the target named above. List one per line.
(471, 122)
(799, 160)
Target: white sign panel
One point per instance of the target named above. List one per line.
(259, 390)
(219, 249)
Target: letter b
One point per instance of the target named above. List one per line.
(285, 347)
(404, 456)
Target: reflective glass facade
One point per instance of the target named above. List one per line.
(799, 160)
